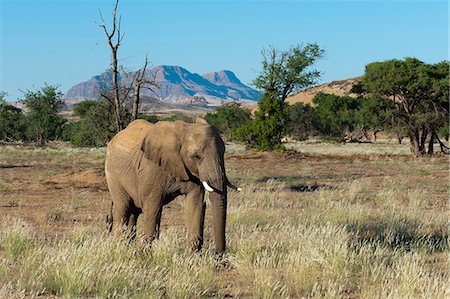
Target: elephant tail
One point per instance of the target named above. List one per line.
(109, 219)
(233, 186)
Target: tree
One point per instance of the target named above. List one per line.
(12, 121)
(140, 81)
(118, 94)
(372, 115)
(96, 125)
(114, 40)
(419, 92)
(283, 73)
(42, 119)
(336, 114)
(228, 118)
(303, 121)
(267, 128)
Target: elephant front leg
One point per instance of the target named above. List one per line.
(152, 220)
(195, 217)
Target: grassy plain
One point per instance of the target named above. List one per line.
(333, 221)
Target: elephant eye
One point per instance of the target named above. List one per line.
(197, 157)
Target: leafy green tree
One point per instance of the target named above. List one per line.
(228, 118)
(84, 107)
(372, 115)
(419, 92)
(12, 121)
(303, 121)
(437, 106)
(337, 115)
(265, 131)
(42, 119)
(283, 73)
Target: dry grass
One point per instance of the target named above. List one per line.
(311, 225)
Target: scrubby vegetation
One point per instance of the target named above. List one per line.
(403, 98)
(360, 225)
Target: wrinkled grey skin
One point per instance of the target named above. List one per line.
(149, 165)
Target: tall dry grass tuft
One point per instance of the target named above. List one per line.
(15, 238)
(91, 263)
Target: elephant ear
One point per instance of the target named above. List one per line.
(201, 121)
(162, 146)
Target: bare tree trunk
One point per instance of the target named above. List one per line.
(114, 46)
(423, 139)
(444, 148)
(136, 102)
(399, 138)
(415, 142)
(117, 102)
(138, 82)
(431, 144)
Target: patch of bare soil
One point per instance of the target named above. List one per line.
(90, 178)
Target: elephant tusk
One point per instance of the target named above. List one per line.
(207, 187)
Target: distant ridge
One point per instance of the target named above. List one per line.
(338, 87)
(177, 85)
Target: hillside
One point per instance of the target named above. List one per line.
(339, 88)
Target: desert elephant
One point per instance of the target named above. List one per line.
(149, 165)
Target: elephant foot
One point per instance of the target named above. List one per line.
(195, 245)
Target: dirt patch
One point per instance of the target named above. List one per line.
(90, 178)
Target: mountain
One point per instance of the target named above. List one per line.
(176, 85)
(338, 87)
(235, 88)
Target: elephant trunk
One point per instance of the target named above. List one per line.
(219, 207)
(214, 175)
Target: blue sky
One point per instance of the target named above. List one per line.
(60, 43)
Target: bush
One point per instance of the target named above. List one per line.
(303, 121)
(337, 115)
(151, 118)
(182, 117)
(265, 131)
(96, 126)
(228, 118)
(12, 123)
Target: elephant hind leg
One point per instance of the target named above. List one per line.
(132, 222)
(121, 208)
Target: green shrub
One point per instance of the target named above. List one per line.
(12, 123)
(96, 126)
(228, 118)
(151, 118)
(182, 117)
(303, 121)
(265, 131)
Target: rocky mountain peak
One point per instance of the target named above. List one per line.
(224, 77)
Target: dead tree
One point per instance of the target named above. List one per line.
(141, 80)
(114, 40)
